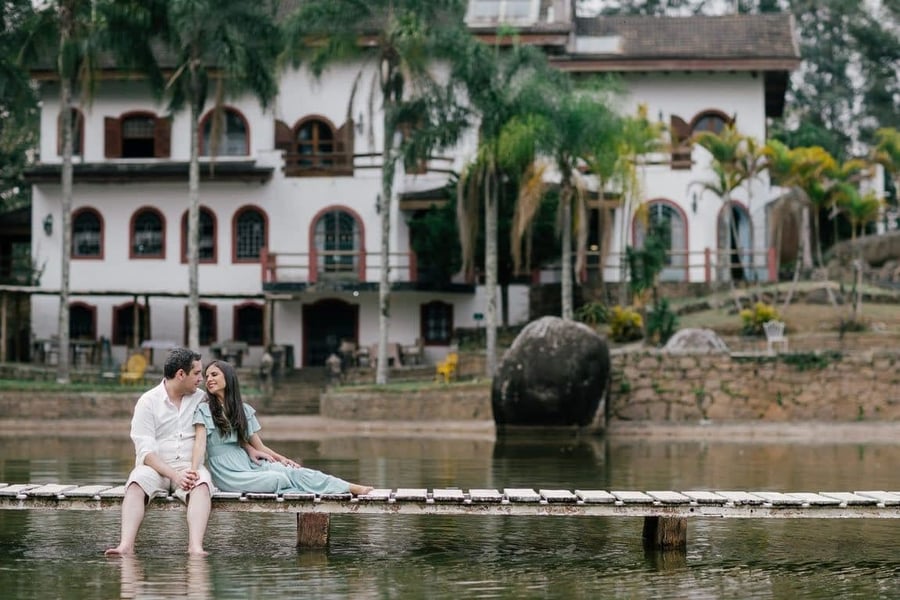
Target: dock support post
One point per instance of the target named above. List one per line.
(312, 530)
(665, 532)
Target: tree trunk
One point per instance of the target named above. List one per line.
(67, 25)
(566, 279)
(384, 283)
(491, 200)
(193, 246)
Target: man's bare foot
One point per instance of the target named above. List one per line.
(197, 552)
(119, 551)
(360, 490)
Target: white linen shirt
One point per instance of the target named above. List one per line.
(161, 427)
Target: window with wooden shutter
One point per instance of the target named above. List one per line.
(284, 137)
(162, 138)
(112, 137)
(680, 133)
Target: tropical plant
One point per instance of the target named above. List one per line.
(887, 154)
(753, 319)
(217, 49)
(563, 141)
(403, 38)
(661, 322)
(501, 84)
(592, 313)
(625, 324)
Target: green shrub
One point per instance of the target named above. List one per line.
(752, 319)
(592, 313)
(625, 325)
(661, 322)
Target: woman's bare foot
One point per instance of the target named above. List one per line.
(197, 552)
(360, 490)
(119, 551)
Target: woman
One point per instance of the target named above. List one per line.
(226, 434)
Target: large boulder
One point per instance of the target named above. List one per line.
(695, 341)
(555, 373)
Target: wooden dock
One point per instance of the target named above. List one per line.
(665, 513)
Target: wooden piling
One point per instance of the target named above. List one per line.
(312, 530)
(665, 532)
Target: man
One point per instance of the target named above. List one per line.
(163, 433)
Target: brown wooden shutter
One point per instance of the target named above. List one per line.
(284, 137)
(343, 144)
(112, 137)
(162, 138)
(680, 133)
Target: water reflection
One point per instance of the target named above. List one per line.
(48, 554)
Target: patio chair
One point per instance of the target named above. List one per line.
(133, 370)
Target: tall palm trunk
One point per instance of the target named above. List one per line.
(491, 200)
(566, 206)
(193, 246)
(384, 284)
(67, 26)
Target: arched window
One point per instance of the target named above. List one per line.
(337, 243)
(232, 139)
(315, 143)
(82, 321)
(123, 324)
(248, 323)
(207, 332)
(77, 133)
(735, 237)
(668, 221)
(436, 320)
(206, 238)
(148, 234)
(710, 120)
(87, 234)
(249, 234)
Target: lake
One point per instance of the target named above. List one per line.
(59, 555)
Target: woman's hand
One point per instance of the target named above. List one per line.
(289, 462)
(258, 455)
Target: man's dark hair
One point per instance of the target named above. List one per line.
(179, 358)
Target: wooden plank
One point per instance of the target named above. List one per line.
(299, 496)
(379, 495)
(705, 497)
(485, 495)
(736, 497)
(116, 492)
(814, 499)
(778, 499)
(342, 497)
(261, 496)
(595, 496)
(522, 495)
(226, 496)
(851, 499)
(411, 495)
(558, 496)
(17, 489)
(86, 491)
(667, 497)
(629, 497)
(886, 498)
(448, 495)
(50, 490)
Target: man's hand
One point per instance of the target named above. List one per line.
(186, 479)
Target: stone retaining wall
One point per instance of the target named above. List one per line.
(652, 386)
(453, 403)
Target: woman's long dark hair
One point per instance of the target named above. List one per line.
(233, 417)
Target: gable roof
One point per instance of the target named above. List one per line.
(765, 38)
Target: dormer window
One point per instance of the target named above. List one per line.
(502, 11)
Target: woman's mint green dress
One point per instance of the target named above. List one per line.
(233, 471)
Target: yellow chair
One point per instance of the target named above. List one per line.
(133, 370)
(446, 369)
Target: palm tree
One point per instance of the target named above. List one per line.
(218, 48)
(500, 85)
(74, 31)
(887, 153)
(564, 140)
(403, 38)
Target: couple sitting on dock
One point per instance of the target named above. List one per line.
(176, 426)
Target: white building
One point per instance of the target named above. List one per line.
(290, 206)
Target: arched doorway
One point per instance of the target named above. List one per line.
(672, 223)
(325, 324)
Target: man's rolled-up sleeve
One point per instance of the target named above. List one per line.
(143, 431)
